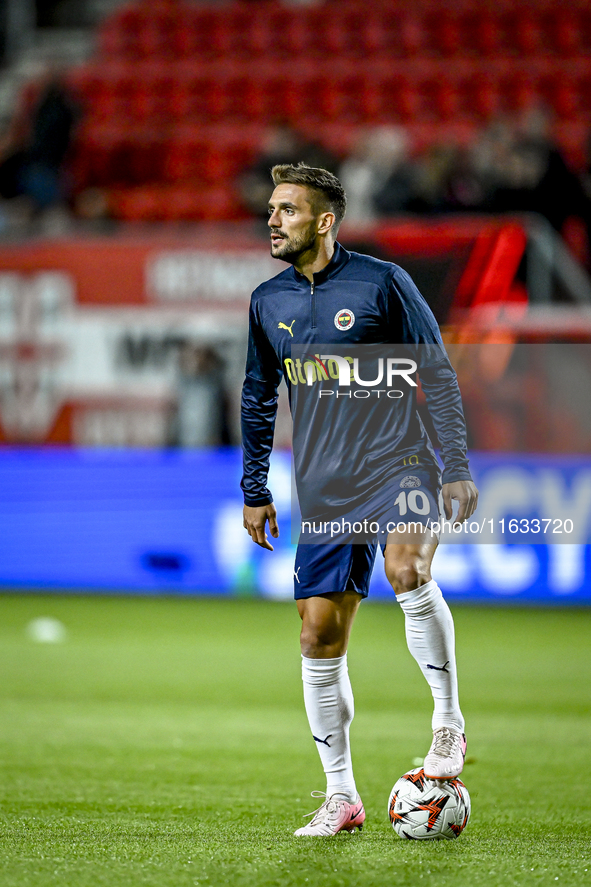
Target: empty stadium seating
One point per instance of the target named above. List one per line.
(181, 93)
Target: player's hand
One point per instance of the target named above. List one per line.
(467, 496)
(255, 518)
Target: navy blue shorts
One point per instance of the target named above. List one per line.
(326, 558)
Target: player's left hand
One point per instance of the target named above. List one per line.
(255, 521)
(467, 496)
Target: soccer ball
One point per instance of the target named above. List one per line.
(423, 809)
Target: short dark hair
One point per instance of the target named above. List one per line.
(329, 194)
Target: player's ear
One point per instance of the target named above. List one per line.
(325, 222)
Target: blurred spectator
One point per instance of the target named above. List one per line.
(92, 210)
(586, 175)
(51, 130)
(463, 188)
(12, 160)
(446, 181)
(535, 177)
(513, 167)
(433, 170)
(15, 210)
(489, 155)
(379, 178)
(35, 147)
(201, 418)
(281, 144)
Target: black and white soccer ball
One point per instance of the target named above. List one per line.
(423, 809)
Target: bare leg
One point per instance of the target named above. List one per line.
(327, 620)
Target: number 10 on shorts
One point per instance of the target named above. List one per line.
(415, 501)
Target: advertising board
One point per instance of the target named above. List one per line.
(170, 522)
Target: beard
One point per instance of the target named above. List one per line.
(292, 248)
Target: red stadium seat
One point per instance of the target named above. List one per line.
(382, 34)
(337, 138)
(154, 86)
(446, 99)
(480, 96)
(147, 155)
(485, 36)
(408, 99)
(562, 29)
(399, 99)
(195, 34)
(238, 97)
(444, 32)
(228, 34)
(124, 155)
(112, 92)
(338, 99)
(220, 203)
(561, 94)
(156, 38)
(572, 138)
(189, 203)
(136, 204)
(118, 36)
(411, 35)
(230, 150)
(358, 33)
(584, 22)
(285, 97)
(82, 82)
(519, 92)
(278, 34)
(295, 38)
(184, 203)
(184, 154)
(524, 33)
(372, 36)
(103, 154)
(189, 98)
(342, 35)
(207, 154)
(115, 42)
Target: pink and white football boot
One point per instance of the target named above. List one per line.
(445, 758)
(334, 815)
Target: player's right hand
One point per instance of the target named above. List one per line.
(255, 518)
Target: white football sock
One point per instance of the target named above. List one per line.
(431, 640)
(329, 705)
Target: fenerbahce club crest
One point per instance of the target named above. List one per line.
(344, 320)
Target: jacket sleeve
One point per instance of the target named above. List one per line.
(258, 412)
(418, 327)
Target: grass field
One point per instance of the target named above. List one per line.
(165, 743)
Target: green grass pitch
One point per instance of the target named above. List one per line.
(164, 743)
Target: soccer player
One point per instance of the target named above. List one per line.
(330, 295)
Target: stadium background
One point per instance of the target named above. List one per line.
(151, 721)
(147, 248)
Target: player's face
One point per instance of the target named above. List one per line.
(293, 223)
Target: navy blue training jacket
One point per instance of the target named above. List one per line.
(385, 307)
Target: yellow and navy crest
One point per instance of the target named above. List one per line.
(344, 319)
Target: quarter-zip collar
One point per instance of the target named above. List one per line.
(339, 259)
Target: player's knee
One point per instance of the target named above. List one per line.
(408, 573)
(319, 640)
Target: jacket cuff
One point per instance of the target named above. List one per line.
(454, 475)
(263, 499)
